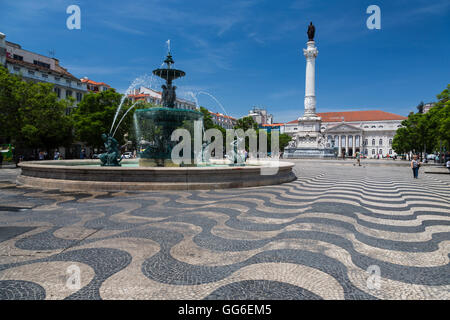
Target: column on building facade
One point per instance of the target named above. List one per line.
(346, 145)
(354, 145)
(340, 145)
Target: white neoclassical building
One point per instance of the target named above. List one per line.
(368, 132)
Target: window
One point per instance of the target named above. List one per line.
(68, 93)
(17, 69)
(68, 82)
(17, 57)
(58, 92)
(390, 142)
(41, 64)
(367, 127)
(57, 78)
(381, 142)
(374, 127)
(79, 96)
(44, 75)
(399, 126)
(390, 151)
(380, 126)
(381, 151)
(31, 72)
(373, 142)
(373, 151)
(366, 142)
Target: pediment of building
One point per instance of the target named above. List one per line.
(343, 127)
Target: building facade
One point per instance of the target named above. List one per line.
(152, 96)
(39, 68)
(274, 126)
(368, 132)
(428, 106)
(222, 120)
(261, 116)
(93, 86)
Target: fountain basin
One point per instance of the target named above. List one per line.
(155, 126)
(87, 175)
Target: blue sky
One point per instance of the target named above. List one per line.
(249, 53)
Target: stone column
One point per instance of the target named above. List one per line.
(346, 145)
(310, 53)
(354, 146)
(340, 146)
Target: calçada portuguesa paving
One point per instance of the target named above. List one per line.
(314, 238)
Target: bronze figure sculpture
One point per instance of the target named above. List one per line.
(112, 157)
(311, 32)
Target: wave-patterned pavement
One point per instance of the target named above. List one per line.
(319, 237)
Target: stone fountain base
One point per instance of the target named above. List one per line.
(85, 176)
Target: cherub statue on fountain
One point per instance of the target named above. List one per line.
(112, 157)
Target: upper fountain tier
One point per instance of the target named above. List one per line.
(168, 73)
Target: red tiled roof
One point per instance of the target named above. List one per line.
(140, 95)
(95, 83)
(221, 115)
(272, 125)
(353, 116)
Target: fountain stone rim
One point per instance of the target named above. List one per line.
(71, 177)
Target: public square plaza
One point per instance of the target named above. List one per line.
(317, 237)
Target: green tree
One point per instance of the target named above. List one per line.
(426, 132)
(208, 123)
(284, 140)
(246, 123)
(440, 115)
(31, 115)
(95, 114)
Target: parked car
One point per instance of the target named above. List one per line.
(127, 155)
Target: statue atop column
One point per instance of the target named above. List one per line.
(311, 32)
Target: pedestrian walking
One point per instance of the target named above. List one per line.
(56, 156)
(358, 158)
(415, 165)
(447, 164)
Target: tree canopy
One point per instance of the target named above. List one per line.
(95, 115)
(31, 115)
(426, 132)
